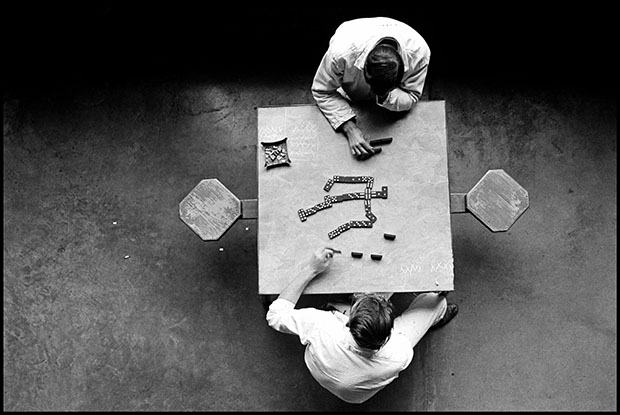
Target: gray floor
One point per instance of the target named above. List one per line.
(112, 303)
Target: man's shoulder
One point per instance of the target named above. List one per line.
(346, 42)
(398, 348)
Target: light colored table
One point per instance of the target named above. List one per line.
(414, 168)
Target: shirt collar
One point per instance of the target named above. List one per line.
(355, 348)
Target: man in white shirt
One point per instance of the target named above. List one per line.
(378, 59)
(355, 356)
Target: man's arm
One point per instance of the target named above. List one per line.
(320, 261)
(335, 108)
(282, 315)
(327, 80)
(410, 90)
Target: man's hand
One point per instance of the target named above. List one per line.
(357, 143)
(321, 260)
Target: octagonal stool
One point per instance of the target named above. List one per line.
(497, 200)
(210, 209)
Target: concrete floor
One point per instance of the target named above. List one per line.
(112, 303)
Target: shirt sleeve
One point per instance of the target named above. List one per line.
(283, 317)
(327, 80)
(406, 348)
(410, 90)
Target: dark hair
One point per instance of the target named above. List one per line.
(371, 321)
(384, 68)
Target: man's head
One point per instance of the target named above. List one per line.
(384, 68)
(371, 321)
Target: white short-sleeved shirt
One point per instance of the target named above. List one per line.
(333, 357)
(342, 66)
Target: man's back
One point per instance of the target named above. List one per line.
(332, 355)
(361, 34)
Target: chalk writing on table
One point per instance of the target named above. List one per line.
(304, 140)
(416, 267)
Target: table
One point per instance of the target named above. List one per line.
(417, 209)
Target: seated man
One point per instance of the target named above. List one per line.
(377, 58)
(355, 356)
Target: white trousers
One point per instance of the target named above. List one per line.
(423, 313)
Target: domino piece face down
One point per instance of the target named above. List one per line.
(389, 236)
(380, 141)
(356, 254)
(376, 257)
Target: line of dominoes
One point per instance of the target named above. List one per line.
(366, 195)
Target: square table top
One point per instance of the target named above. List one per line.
(417, 210)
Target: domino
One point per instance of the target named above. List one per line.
(356, 254)
(328, 185)
(350, 196)
(336, 199)
(342, 228)
(384, 192)
(371, 216)
(352, 179)
(365, 156)
(389, 236)
(346, 179)
(302, 215)
(376, 257)
(380, 141)
(360, 224)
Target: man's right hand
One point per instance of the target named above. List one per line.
(321, 260)
(360, 148)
